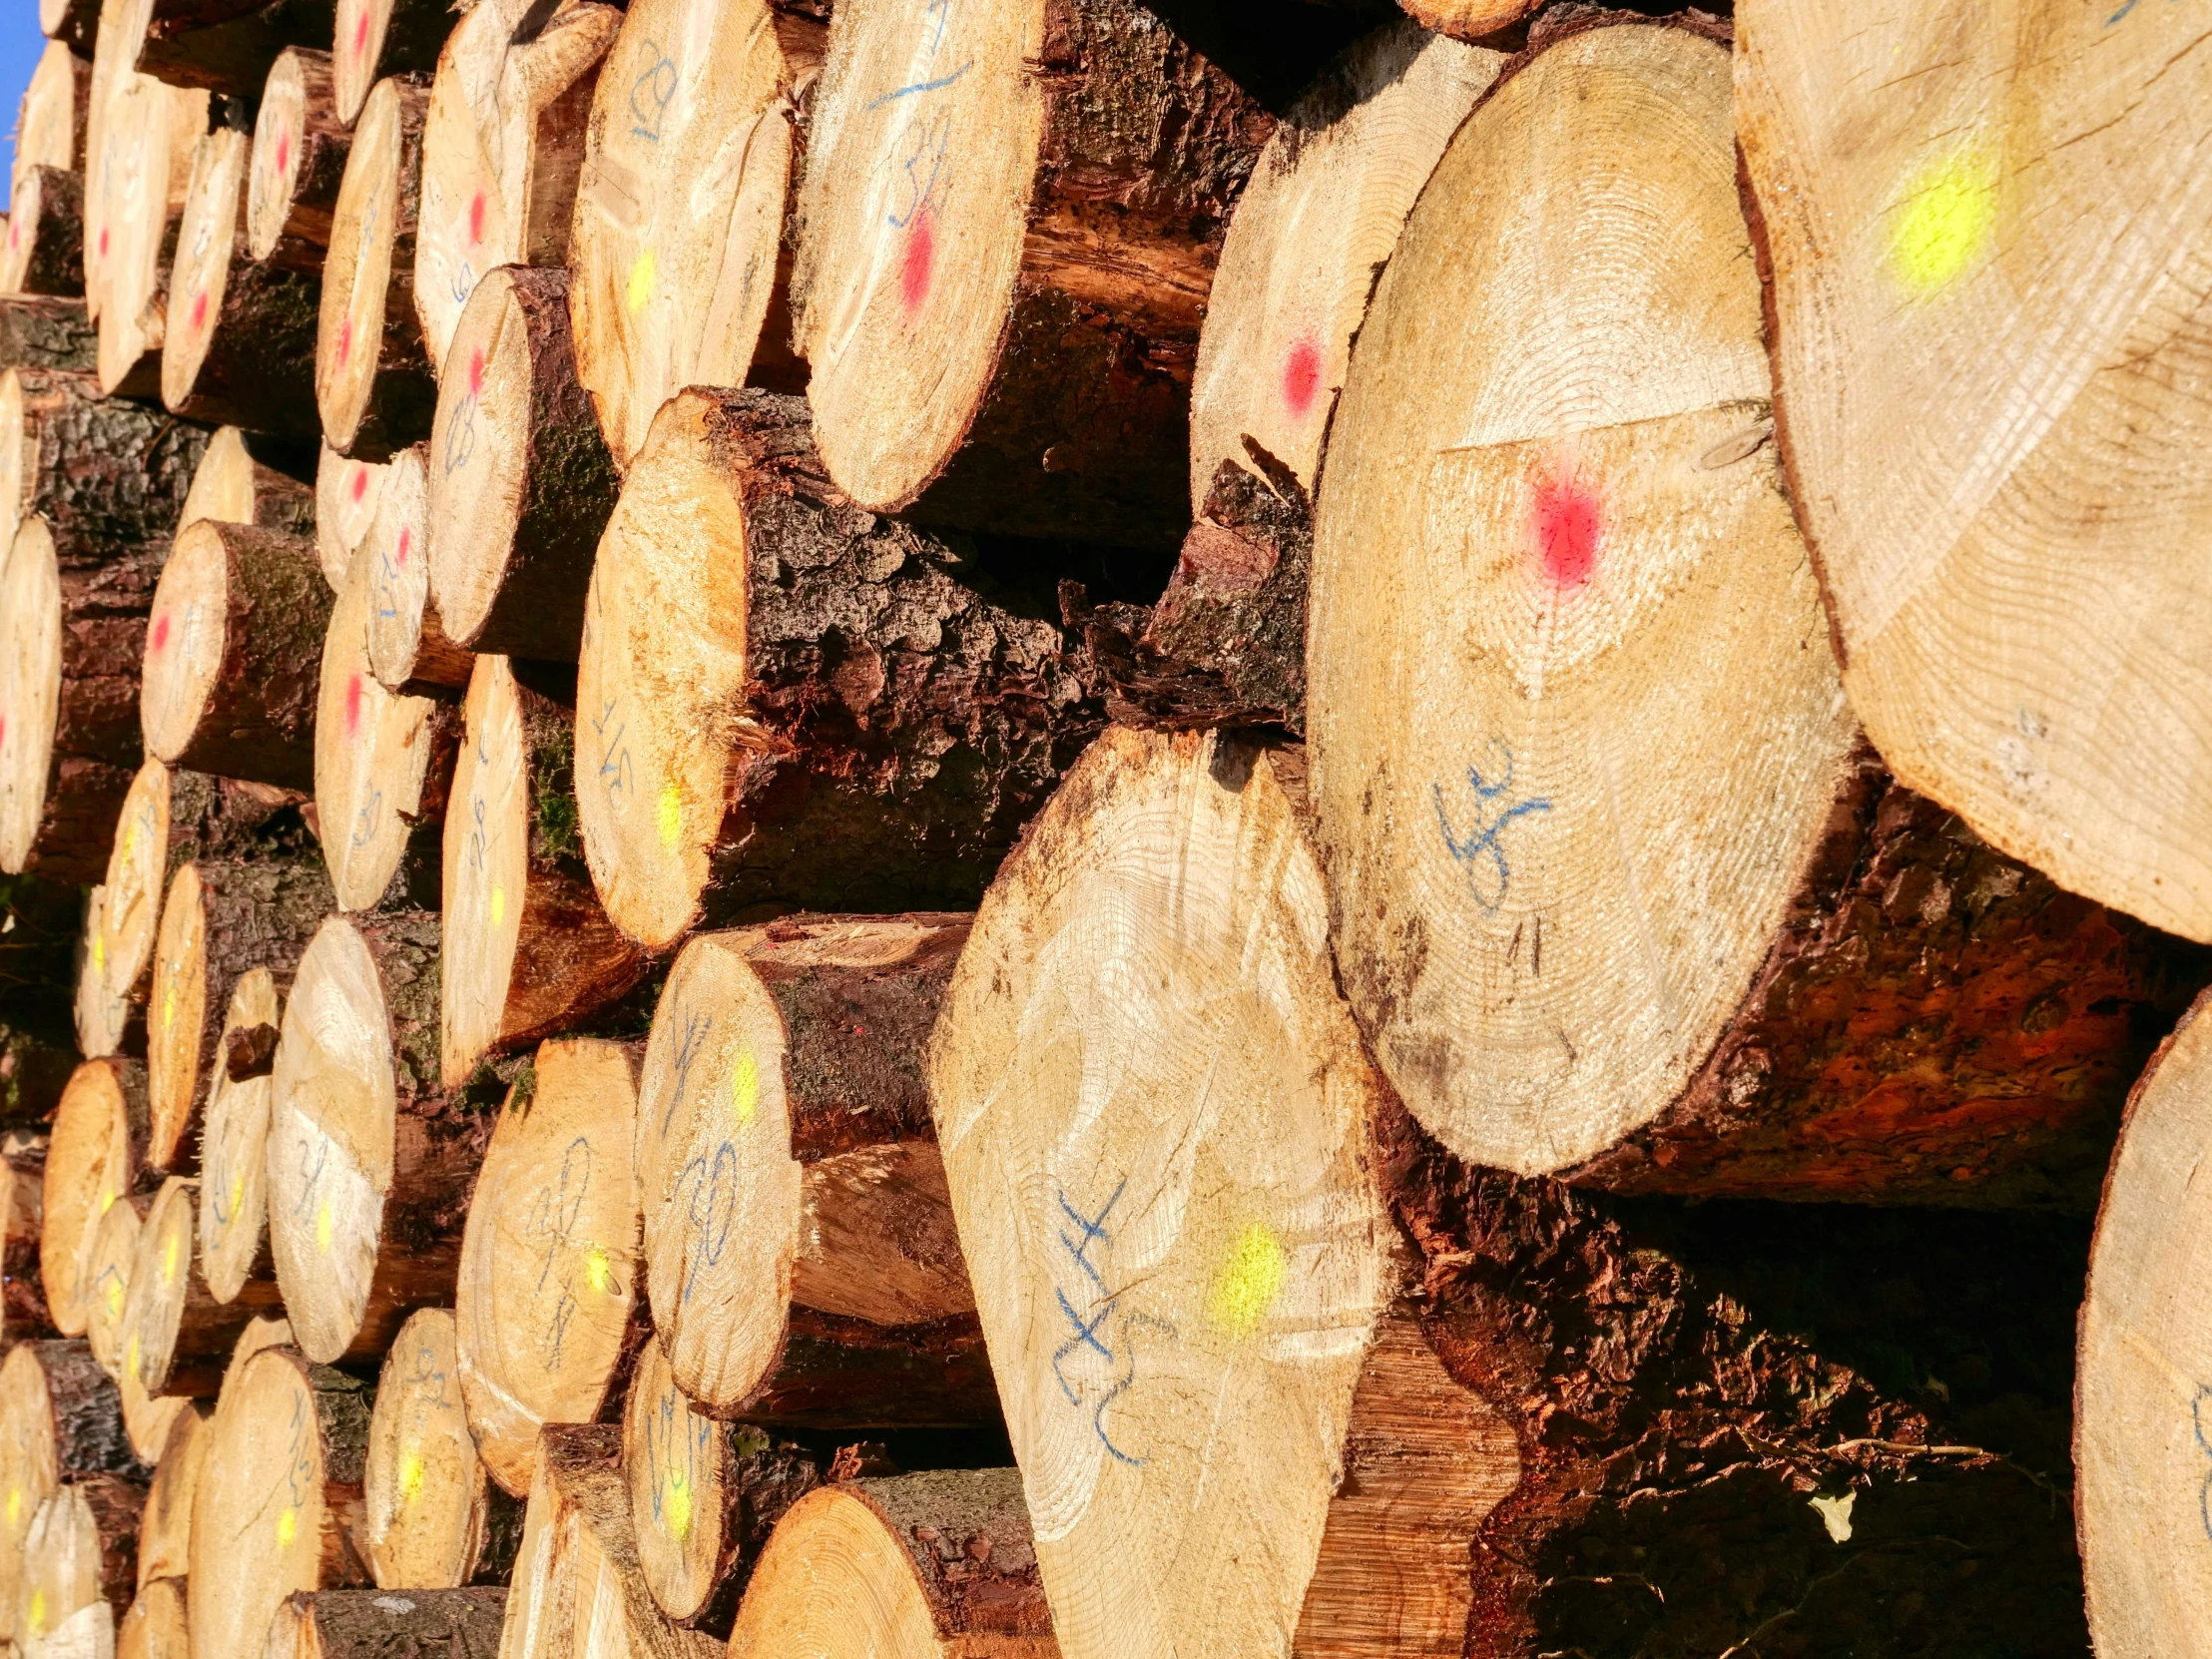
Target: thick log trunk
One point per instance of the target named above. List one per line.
(220, 921)
(368, 1624)
(45, 248)
(1015, 356)
(528, 953)
(234, 1143)
(784, 1104)
(503, 148)
(50, 125)
(279, 1497)
(80, 1562)
(938, 1565)
(550, 1259)
(238, 620)
(578, 1567)
(869, 728)
(238, 346)
(228, 47)
(134, 213)
(1328, 199)
(46, 333)
(373, 378)
(159, 1624)
(704, 1497)
(347, 492)
(370, 1164)
(431, 1517)
(108, 476)
(59, 1418)
(298, 161)
(521, 482)
(679, 207)
(176, 1335)
(376, 38)
(407, 646)
(2005, 627)
(164, 1535)
(92, 1162)
(384, 766)
(253, 478)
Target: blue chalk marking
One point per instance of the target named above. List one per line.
(1092, 1229)
(937, 85)
(1485, 841)
(2204, 1444)
(696, 1027)
(661, 99)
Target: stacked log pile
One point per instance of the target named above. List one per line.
(1071, 828)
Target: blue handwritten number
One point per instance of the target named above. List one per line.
(707, 1186)
(1480, 854)
(658, 85)
(696, 1027)
(613, 766)
(460, 438)
(922, 142)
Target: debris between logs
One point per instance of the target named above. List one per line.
(372, 379)
(368, 1624)
(431, 1520)
(783, 1104)
(234, 1140)
(528, 951)
(874, 759)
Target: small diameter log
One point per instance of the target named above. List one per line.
(1014, 355)
(175, 1333)
(237, 621)
(121, 32)
(704, 1496)
(372, 380)
(80, 1567)
(23, 1299)
(59, 1418)
(238, 346)
(40, 332)
(934, 1566)
(368, 1624)
(383, 764)
(92, 1162)
(234, 1141)
(407, 648)
(577, 1584)
(149, 1419)
(158, 1625)
(134, 211)
(298, 161)
(223, 920)
(783, 1105)
(43, 250)
(369, 1166)
(50, 124)
(279, 1497)
(253, 478)
(521, 482)
(867, 728)
(107, 1279)
(1328, 199)
(376, 38)
(502, 148)
(528, 951)
(345, 496)
(1813, 985)
(2012, 629)
(1469, 19)
(1213, 1232)
(550, 1258)
(431, 1519)
(165, 1534)
(679, 208)
(114, 966)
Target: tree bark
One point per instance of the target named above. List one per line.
(369, 1163)
(92, 1162)
(784, 1103)
(1018, 358)
(46, 333)
(870, 727)
(373, 378)
(432, 1519)
(279, 1495)
(108, 476)
(236, 621)
(228, 49)
(59, 1418)
(409, 650)
(938, 1564)
(368, 1624)
(298, 161)
(164, 1538)
(529, 951)
(45, 252)
(22, 1298)
(378, 38)
(521, 482)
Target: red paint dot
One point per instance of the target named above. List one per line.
(345, 342)
(1565, 521)
(15, 235)
(476, 373)
(3, 727)
(361, 482)
(103, 241)
(361, 34)
(161, 631)
(283, 153)
(353, 705)
(406, 540)
(1302, 376)
(199, 311)
(476, 220)
(914, 265)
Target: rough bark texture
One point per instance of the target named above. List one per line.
(848, 1374)
(967, 1533)
(413, 1624)
(1686, 1382)
(1936, 1023)
(76, 823)
(86, 1413)
(913, 717)
(105, 474)
(258, 370)
(46, 233)
(1226, 644)
(229, 49)
(23, 1311)
(118, 1508)
(105, 599)
(46, 333)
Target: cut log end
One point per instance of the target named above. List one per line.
(250, 479)
(347, 493)
(427, 1505)
(234, 1185)
(376, 38)
(91, 1163)
(299, 161)
(158, 1625)
(407, 648)
(165, 1539)
(42, 245)
(107, 1279)
(372, 380)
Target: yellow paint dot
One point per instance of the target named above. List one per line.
(130, 839)
(1248, 1282)
(599, 1271)
(38, 1612)
(498, 905)
(1945, 221)
(131, 1359)
(322, 1224)
(745, 1086)
(411, 1476)
(641, 281)
(287, 1529)
(169, 1007)
(15, 1505)
(676, 1503)
(100, 951)
(172, 1250)
(237, 1194)
(672, 812)
(115, 1297)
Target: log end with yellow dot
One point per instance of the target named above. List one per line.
(1249, 1281)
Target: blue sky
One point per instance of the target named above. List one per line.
(20, 45)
